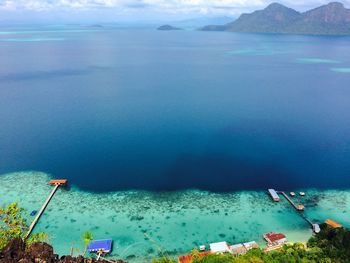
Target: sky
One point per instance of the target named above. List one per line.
(136, 10)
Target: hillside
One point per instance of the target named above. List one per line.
(330, 19)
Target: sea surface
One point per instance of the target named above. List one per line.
(169, 140)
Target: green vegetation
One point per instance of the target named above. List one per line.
(163, 259)
(87, 238)
(13, 224)
(329, 246)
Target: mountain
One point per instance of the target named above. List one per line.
(330, 19)
(168, 27)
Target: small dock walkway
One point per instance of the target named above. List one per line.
(297, 207)
(56, 183)
(300, 208)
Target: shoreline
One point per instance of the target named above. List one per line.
(139, 221)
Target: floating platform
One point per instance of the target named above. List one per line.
(275, 197)
(58, 182)
(104, 246)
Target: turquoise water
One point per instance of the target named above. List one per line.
(144, 224)
(33, 39)
(317, 61)
(341, 70)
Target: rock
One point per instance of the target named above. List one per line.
(14, 251)
(25, 260)
(41, 253)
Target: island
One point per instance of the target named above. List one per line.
(168, 28)
(330, 19)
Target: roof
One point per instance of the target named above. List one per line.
(238, 249)
(250, 245)
(273, 193)
(58, 182)
(105, 245)
(273, 237)
(188, 258)
(219, 247)
(316, 228)
(333, 224)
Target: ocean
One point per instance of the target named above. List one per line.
(173, 137)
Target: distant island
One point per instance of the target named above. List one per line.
(168, 27)
(330, 19)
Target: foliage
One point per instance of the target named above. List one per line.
(163, 259)
(13, 224)
(87, 238)
(329, 246)
(295, 253)
(335, 243)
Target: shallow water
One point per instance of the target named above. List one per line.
(144, 224)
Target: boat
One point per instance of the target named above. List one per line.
(292, 194)
(33, 213)
(302, 193)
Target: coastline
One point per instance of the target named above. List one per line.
(142, 224)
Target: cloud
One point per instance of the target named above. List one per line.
(234, 7)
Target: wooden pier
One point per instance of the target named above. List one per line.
(299, 207)
(56, 183)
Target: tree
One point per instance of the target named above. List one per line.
(87, 238)
(13, 224)
(163, 259)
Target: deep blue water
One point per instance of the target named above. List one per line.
(144, 109)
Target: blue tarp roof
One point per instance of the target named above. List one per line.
(96, 245)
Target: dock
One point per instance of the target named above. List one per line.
(299, 207)
(315, 227)
(274, 195)
(56, 184)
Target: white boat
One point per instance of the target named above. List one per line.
(302, 193)
(292, 194)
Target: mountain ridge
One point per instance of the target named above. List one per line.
(330, 19)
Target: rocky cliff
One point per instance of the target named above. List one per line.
(17, 252)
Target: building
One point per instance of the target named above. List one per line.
(238, 249)
(274, 195)
(333, 224)
(100, 246)
(275, 239)
(219, 247)
(250, 245)
(316, 228)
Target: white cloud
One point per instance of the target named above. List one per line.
(167, 6)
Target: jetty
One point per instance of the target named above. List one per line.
(274, 195)
(315, 227)
(56, 184)
(299, 207)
